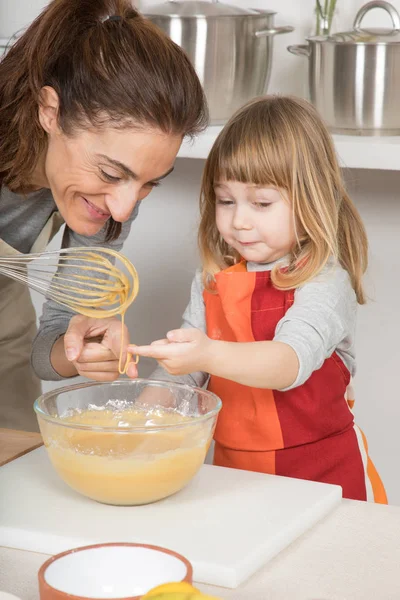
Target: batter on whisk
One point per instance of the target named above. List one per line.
(86, 281)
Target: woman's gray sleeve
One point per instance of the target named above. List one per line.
(193, 317)
(55, 318)
(321, 321)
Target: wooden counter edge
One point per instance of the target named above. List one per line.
(14, 443)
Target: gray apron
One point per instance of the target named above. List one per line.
(19, 386)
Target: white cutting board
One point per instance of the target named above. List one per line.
(228, 523)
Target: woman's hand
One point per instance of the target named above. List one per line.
(91, 348)
(183, 351)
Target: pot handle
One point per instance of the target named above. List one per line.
(273, 31)
(377, 4)
(300, 50)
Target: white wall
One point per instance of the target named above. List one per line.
(162, 245)
(16, 14)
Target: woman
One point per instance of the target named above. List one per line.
(94, 104)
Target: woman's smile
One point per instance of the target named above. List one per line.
(94, 212)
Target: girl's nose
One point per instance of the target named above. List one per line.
(241, 219)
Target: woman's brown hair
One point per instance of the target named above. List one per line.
(282, 142)
(120, 70)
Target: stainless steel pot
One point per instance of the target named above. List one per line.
(230, 48)
(354, 77)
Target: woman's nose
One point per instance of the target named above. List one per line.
(122, 201)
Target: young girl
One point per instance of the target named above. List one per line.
(272, 315)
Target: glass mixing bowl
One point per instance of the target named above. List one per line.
(130, 441)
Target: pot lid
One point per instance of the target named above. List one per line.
(359, 35)
(363, 36)
(200, 8)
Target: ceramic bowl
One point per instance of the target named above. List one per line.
(112, 571)
(127, 442)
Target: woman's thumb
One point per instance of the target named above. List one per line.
(73, 338)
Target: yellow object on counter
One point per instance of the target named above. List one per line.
(125, 467)
(181, 587)
(184, 596)
(176, 591)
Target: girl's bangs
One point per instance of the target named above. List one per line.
(248, 157)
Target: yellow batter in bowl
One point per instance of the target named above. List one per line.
(121, 451)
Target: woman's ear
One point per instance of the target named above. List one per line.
(49, 104)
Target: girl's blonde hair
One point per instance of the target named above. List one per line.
(282, 142)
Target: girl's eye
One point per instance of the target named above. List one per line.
(108, 177)
(263, 204)
(224, 202)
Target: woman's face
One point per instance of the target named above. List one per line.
(98, 174)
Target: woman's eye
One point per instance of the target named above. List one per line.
(263, 204)
(108, 177)
(224, 202)
(153, 184)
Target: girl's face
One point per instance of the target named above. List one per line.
(255, 220)
(103, 173)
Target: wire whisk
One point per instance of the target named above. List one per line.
(84, 279)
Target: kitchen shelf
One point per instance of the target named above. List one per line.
(355, 152)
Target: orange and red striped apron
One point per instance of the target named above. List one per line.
(307, 432)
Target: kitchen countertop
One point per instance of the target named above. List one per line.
(15, 443)
(353, 554)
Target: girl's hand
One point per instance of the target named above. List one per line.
(183, 351)
(92, 347)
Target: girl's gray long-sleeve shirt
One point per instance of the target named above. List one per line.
(321, 321)
(22, 217)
